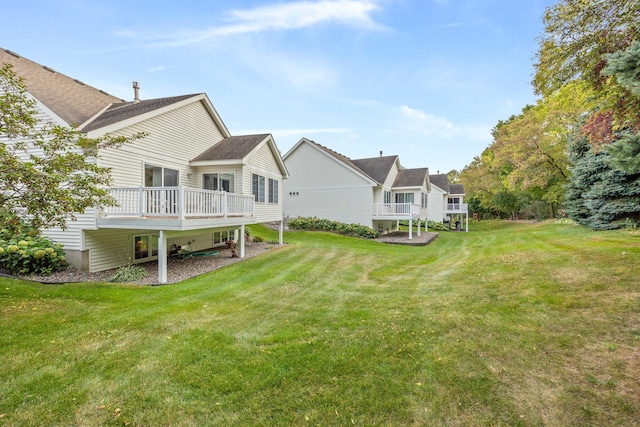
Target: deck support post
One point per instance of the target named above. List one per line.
(162, 257)
(410, 229)
(241, 241)
(280, 233)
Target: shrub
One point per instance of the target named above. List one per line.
(29, 253)
(129, 273)
(320, 224)
(437, 226)
(258, 239)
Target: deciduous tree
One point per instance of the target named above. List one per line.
(578, 38)
(48, 173)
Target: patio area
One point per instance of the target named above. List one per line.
(402, 238)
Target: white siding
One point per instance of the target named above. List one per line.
(348, 205)
(71, 238)
(112, 248)
(109, 248)
(173, 139)
(262, 162)
(321, 186)
(436, 204)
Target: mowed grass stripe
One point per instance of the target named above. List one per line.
(510, 324)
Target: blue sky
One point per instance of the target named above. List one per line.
(423, 79)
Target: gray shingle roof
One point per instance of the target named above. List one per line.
(72, 100)
(125, 110)
(232, 148)
(456, 189)
(441, 181)
(411, 177)
(377, 168)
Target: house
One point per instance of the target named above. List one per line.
(446, 202)
(189, 183)
(376, 192)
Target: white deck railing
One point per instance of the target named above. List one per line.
(399, 210)
(178, 202)
(457, 208)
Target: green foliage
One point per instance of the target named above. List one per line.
(48, 172)
(600, 195)
(625, 153)
(578, 39)
(318, 224)
(129, 273)
(625, 66)
(258, 239)
(507, 202)
(437, 226)
(23, 251)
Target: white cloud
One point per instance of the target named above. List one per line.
(283, 16)
(416, 121)
(305, 14)
(156, 69)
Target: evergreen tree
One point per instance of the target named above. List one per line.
(601, 195)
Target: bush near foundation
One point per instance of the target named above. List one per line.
(320, 224)
(24, 251)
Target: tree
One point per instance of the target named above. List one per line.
(534, 143)
(625, 153)
(481, 181)
(453, 176)
(600, 195)
(625, 67)
(507, 202)
(48, 172)
(578, 37)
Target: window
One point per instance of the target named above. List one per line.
(273, 190)
(157, 176)
(145, 247)
(257, 187)
(424, 200)
(387, 197)
(404, 197)
(453, 203)
(219, 182)
(221, 237)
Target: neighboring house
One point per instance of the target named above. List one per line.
(446, 202)
(376, 192)
(189, 183)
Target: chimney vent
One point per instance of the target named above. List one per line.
(380, 153)
(136, 92)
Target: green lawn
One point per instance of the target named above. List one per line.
(509, 324)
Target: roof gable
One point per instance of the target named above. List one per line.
(341, 159)
(122, 111)
(231, 148)
(236, 149)
(411, 177)
(441, 181)
(91, 109)
(377, 168)
(456, 189)
(72, 100)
